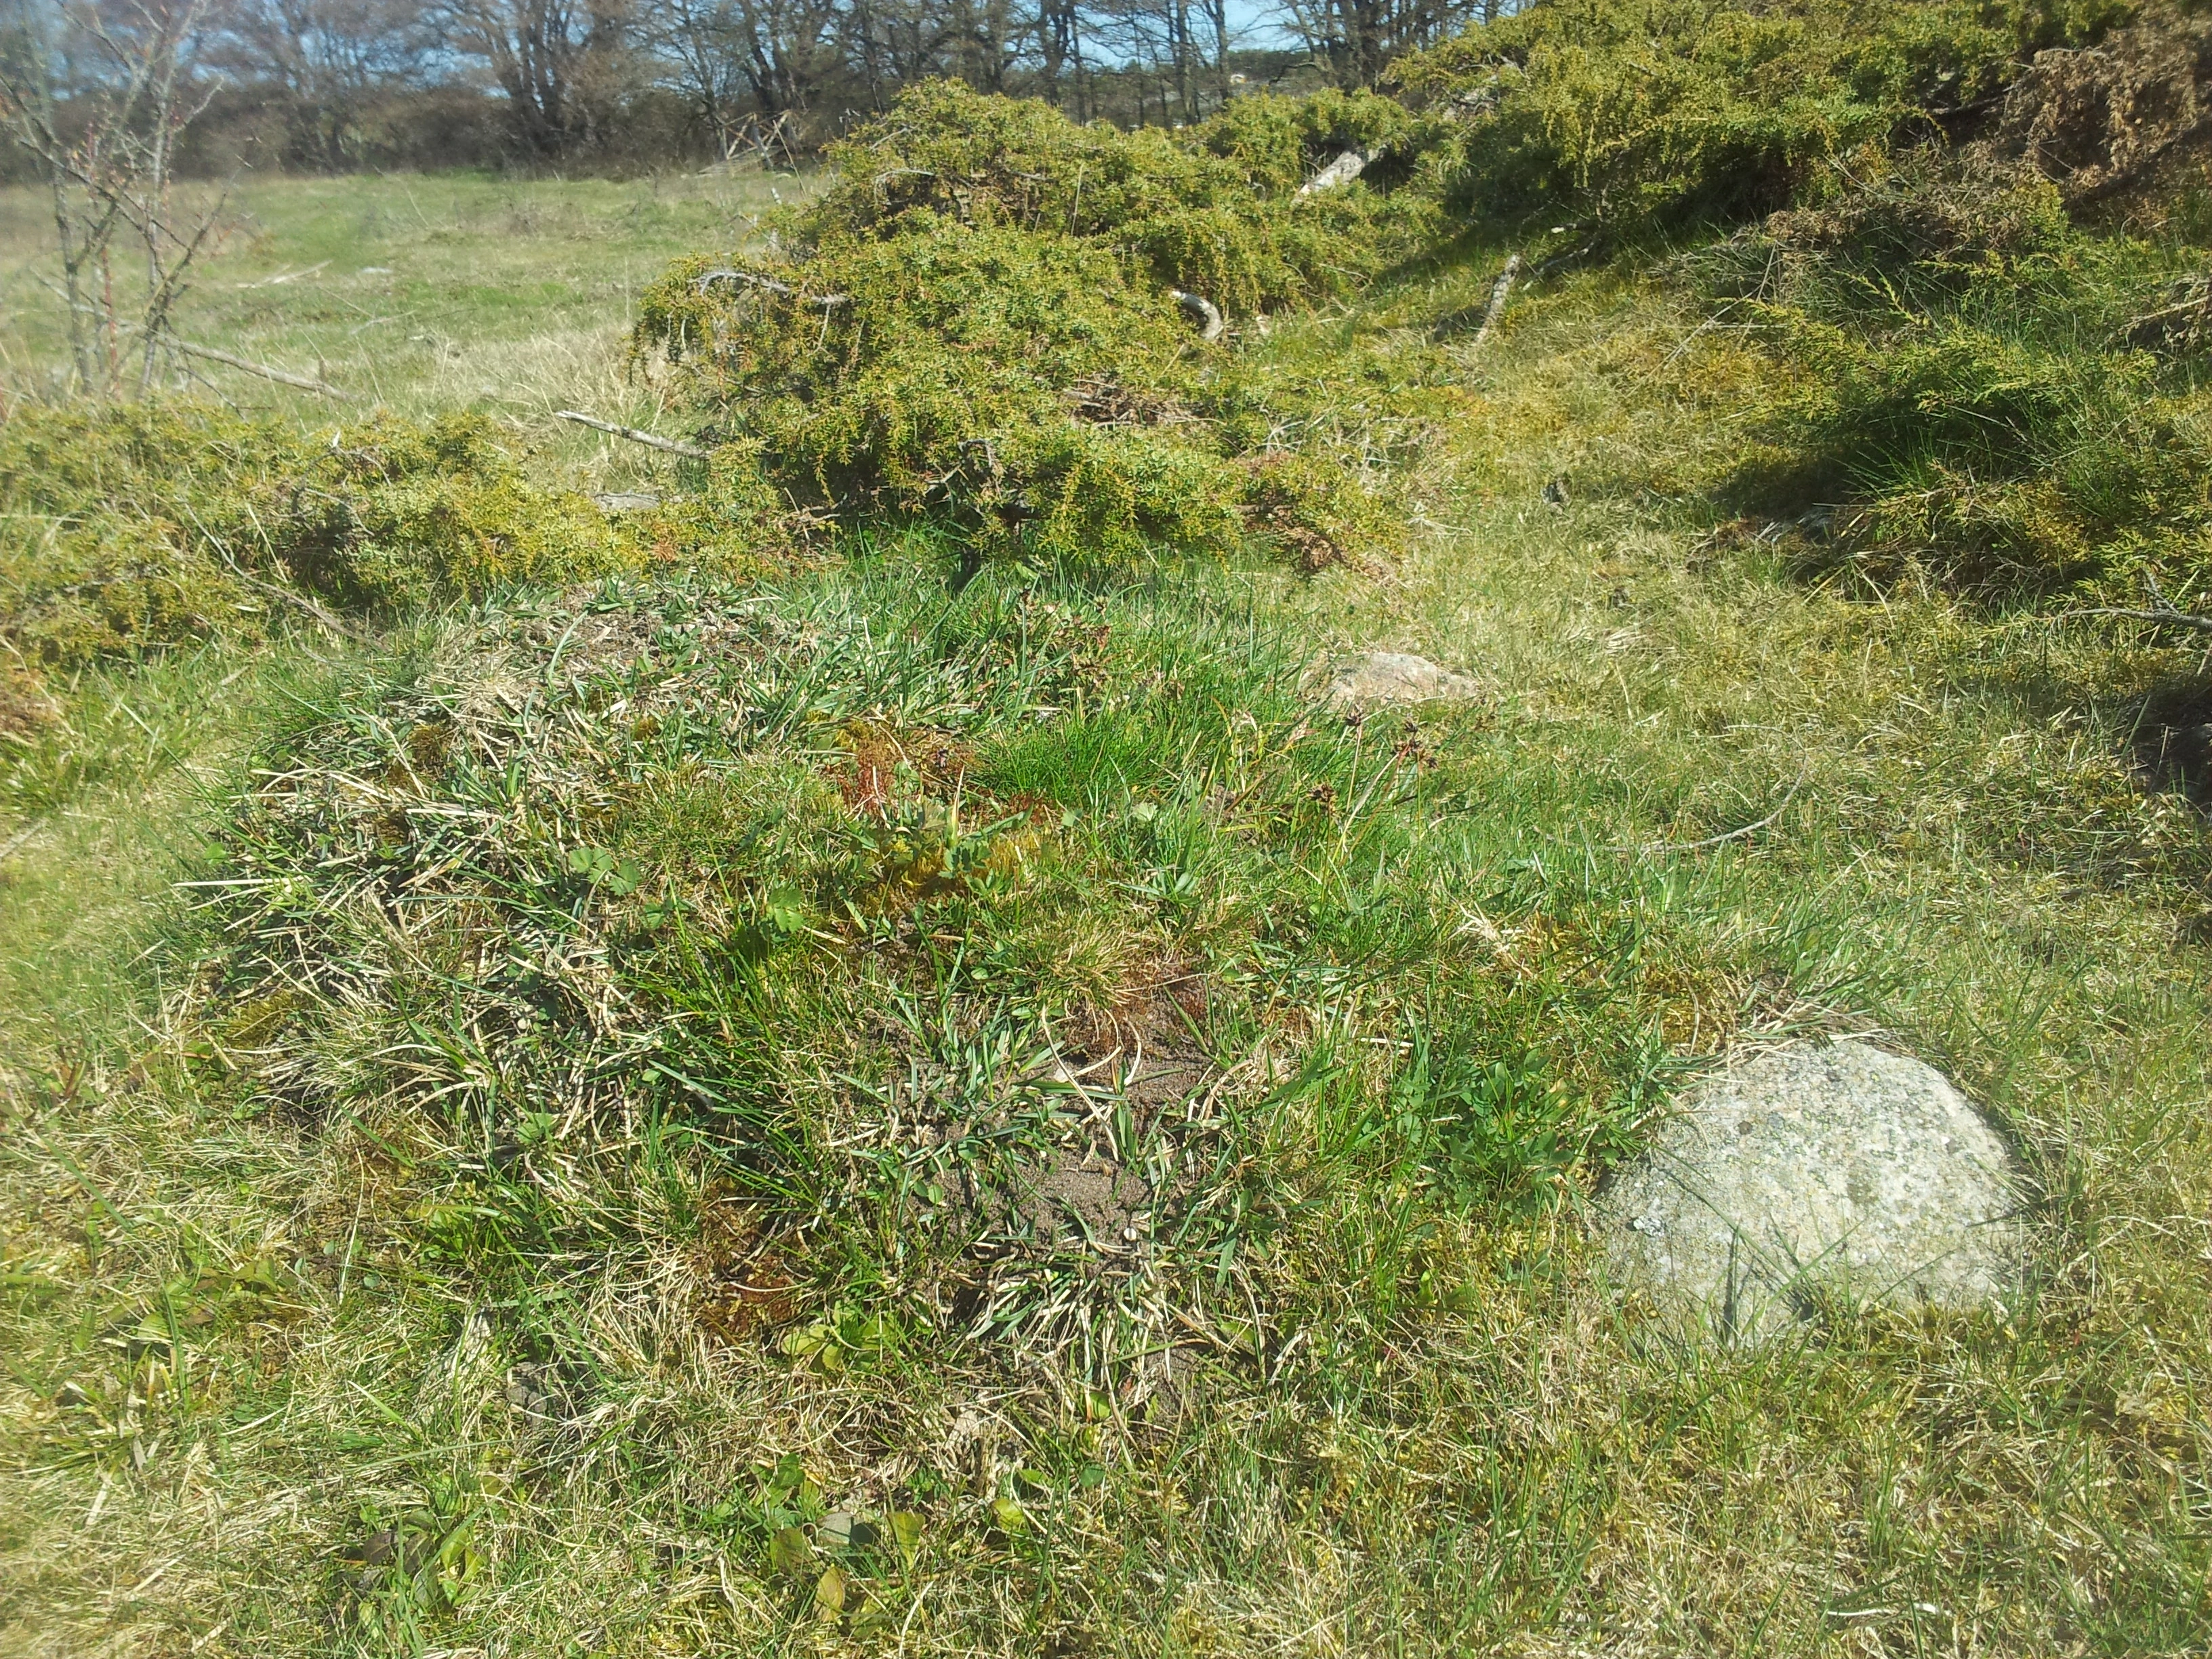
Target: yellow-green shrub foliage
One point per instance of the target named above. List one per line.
(1971, 403)
(1214, 209)
(1999, 459)
(1627, 113)
(143, 525)
(956, 373)
(977, 321)
(1972, 399)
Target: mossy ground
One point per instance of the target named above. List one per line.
(563, 1188)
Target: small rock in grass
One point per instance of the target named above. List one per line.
(1381, 678)
(1819, 1168)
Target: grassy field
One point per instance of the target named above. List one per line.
(418, 293)
(554, 1185)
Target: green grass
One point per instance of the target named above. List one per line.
(419, 293)
(577, 1146)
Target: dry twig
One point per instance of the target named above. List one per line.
(1499, 291)
(651, 441)
(2165, 614)
(2160, 610)
(1651, 848)
(320, 388)
(727, 274)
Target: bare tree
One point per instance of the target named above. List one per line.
(1155, 37)
(1216, 15)
(1355, 41)
(892, 44)
(989, 38)
(743, 65)
(98, 98)
(329, 59)
(1060, 29)
(560, 63)
(696, 41)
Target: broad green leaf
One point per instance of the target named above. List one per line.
(790, 1552)
(590, 862)
(807, 1341)
(789, 1471)
(906, 1531)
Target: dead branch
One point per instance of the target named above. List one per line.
(651, 441)
(320, 388)
(1203, 312)
(165, 285)
(764, 142)
(2165, 614)
(2182, 321)
(2160, 610)
(292, 596)
(1342, 170)
(1498, 291)
(707, 279)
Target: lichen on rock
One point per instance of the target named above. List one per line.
(1814, 1171)
(1380, 679)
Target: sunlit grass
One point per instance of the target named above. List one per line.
(420, 294)
(506, 1216)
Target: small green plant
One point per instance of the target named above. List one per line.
(616, 876)
(414, 1570)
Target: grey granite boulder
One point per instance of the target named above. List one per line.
(1381, 678)
(1820, 1167)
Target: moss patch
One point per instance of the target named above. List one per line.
(141, 526)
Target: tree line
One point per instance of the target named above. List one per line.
(333, 85)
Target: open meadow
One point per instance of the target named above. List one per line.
(414, 294)
(789, 1084)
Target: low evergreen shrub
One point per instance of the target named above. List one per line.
(1973, 394)
(1632, 119)
(980, 321)
(1972, 386)
(137, 526)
